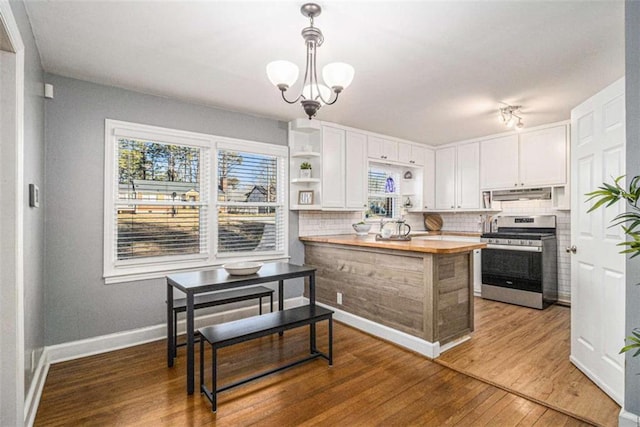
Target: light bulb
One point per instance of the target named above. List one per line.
(519, 125)
(282, 73)
(509, 122)
(338, 75)
(324, 91)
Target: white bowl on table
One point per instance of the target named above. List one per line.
(242, 268)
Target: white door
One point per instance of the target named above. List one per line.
(12, 360)
(333, 196)
(597, 267)
(356, 171)
(468, 186)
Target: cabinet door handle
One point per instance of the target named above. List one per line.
(522, 183)
(452, 207)
(515, 185)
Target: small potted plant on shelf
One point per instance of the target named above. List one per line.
(305, 170)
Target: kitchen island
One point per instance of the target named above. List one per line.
(417, 293)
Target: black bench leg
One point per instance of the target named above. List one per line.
(330, 341)
(260, 305)
(214, 378)
(201, 366)
(271, 302)
(175, 334)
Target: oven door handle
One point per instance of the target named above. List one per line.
(516, 248)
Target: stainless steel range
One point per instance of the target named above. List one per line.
(519, 265)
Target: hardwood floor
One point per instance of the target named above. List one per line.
(372, 382)
(527, 352)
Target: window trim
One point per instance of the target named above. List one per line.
(115, 271)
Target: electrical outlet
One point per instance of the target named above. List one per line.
(339, 298)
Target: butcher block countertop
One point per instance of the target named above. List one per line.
(416, 244)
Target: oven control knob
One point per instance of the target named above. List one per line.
(508, 242)
(522, 242)
(530, 243)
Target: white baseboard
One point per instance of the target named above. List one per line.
(32, 399)
(402, 339)
(102, 344)
(105, 343)
(628, 419)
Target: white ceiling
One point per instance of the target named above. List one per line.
(427, 71)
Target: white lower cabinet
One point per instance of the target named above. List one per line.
(477, 272)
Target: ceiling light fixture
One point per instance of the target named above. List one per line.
(337, 75)
(510, 116)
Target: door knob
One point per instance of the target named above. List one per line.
(572, 249)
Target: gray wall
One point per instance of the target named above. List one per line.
(78, 303)
(33, 173)
(632, 36)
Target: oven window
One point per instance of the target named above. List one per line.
(512, 265)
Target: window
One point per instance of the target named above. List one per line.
(181, 200)
(160, 208)
(250, 206)
(383, 191)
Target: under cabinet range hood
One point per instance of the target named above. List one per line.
(543, 193)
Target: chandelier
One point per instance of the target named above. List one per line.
(510, 116)
(337, 75)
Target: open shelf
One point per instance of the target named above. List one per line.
(305, 154)
(305, 180)
(305, 207)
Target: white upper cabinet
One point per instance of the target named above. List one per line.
(344, 165)
(457, 171)
(356, 171)
(543, 157)
(382, 149)
(468, 174)
(446, 178)
(333, 168)
(411, 154)
(429, 180)
(499, 162)
(527, 159)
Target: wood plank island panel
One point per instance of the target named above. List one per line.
(422, 294)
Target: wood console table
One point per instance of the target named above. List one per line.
(197, 282)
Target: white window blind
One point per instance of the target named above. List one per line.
(161, 202)
(251, 217)
(383, 192)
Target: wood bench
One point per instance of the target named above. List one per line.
(226, 334)
(219, 298)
